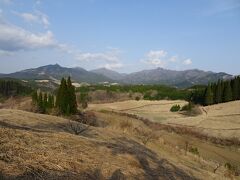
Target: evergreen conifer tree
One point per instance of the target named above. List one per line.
(227, 95)
(235, 88)
(66, 98)
(208, 100)
(218, 92)
(40, 102)
(45, 101)
(238, 87)
(71, 97)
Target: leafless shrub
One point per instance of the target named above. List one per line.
(87, 118)
(145, 136)
(78, 128)
(126, 124)
(216, 168)
(231, 170)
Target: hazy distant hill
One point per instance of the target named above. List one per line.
(176, 78)
(109, 73)
(155, 76)
(57, 72)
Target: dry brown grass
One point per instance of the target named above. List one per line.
(43, 147)
(221, 120)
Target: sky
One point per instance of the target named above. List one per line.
(121, 35)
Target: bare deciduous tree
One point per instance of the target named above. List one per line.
(145, 135)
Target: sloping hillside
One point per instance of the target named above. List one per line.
(36, 146)
(56, 71)
(180, 79)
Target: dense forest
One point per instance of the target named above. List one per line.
(11, 87)
(222, 91)
(149, 92)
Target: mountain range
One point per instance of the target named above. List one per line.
(175, 78)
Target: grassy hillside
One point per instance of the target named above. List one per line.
(45, 147)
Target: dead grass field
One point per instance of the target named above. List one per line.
(222, 120)
(43, 147)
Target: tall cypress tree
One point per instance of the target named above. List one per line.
(213, 87)
(66, 98)
(235, 88)
(50, 101)
(238, 87)
(45, 101)
(208, 100)
(61, 101)
(40, 102)
(71, 97)
(227, 95)
(218, 93)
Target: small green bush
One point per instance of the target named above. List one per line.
(187, 107)
(194, 150)
(175, 108)
(137, 98)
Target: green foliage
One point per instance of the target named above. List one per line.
(175, 108)
(218, 93)
(188, 107)
(222, 91)
(208, 99)
(137, 98)
(235, 89)
(34, 98)
(13, 88)
(194, 150)
(163, 92)
(42, 101)
(40, 104)
(66, 98)
(227, 94)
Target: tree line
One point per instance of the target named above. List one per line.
(162, 91)
(13, 88)
(65, 100)
(222, 91)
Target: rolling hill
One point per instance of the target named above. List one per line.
(180, 79)
(56, 72)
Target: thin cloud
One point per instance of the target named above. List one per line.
(36, 17)
(113, 66)
(187, 62)
(161, 58)
(222, 6)
(14, 38)
(156, 58)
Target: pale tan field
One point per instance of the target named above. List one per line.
(43, 146)
(222, 120)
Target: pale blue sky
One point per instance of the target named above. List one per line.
(123, 35)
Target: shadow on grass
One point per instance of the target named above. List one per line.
(48, 128)
(36, 174)
(163, 169)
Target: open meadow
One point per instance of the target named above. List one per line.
(221, 120)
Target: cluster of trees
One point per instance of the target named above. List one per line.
(222, 91)
(163, 92)
(65, 101)
(66, 98)
(43, 101)
(13, 88)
